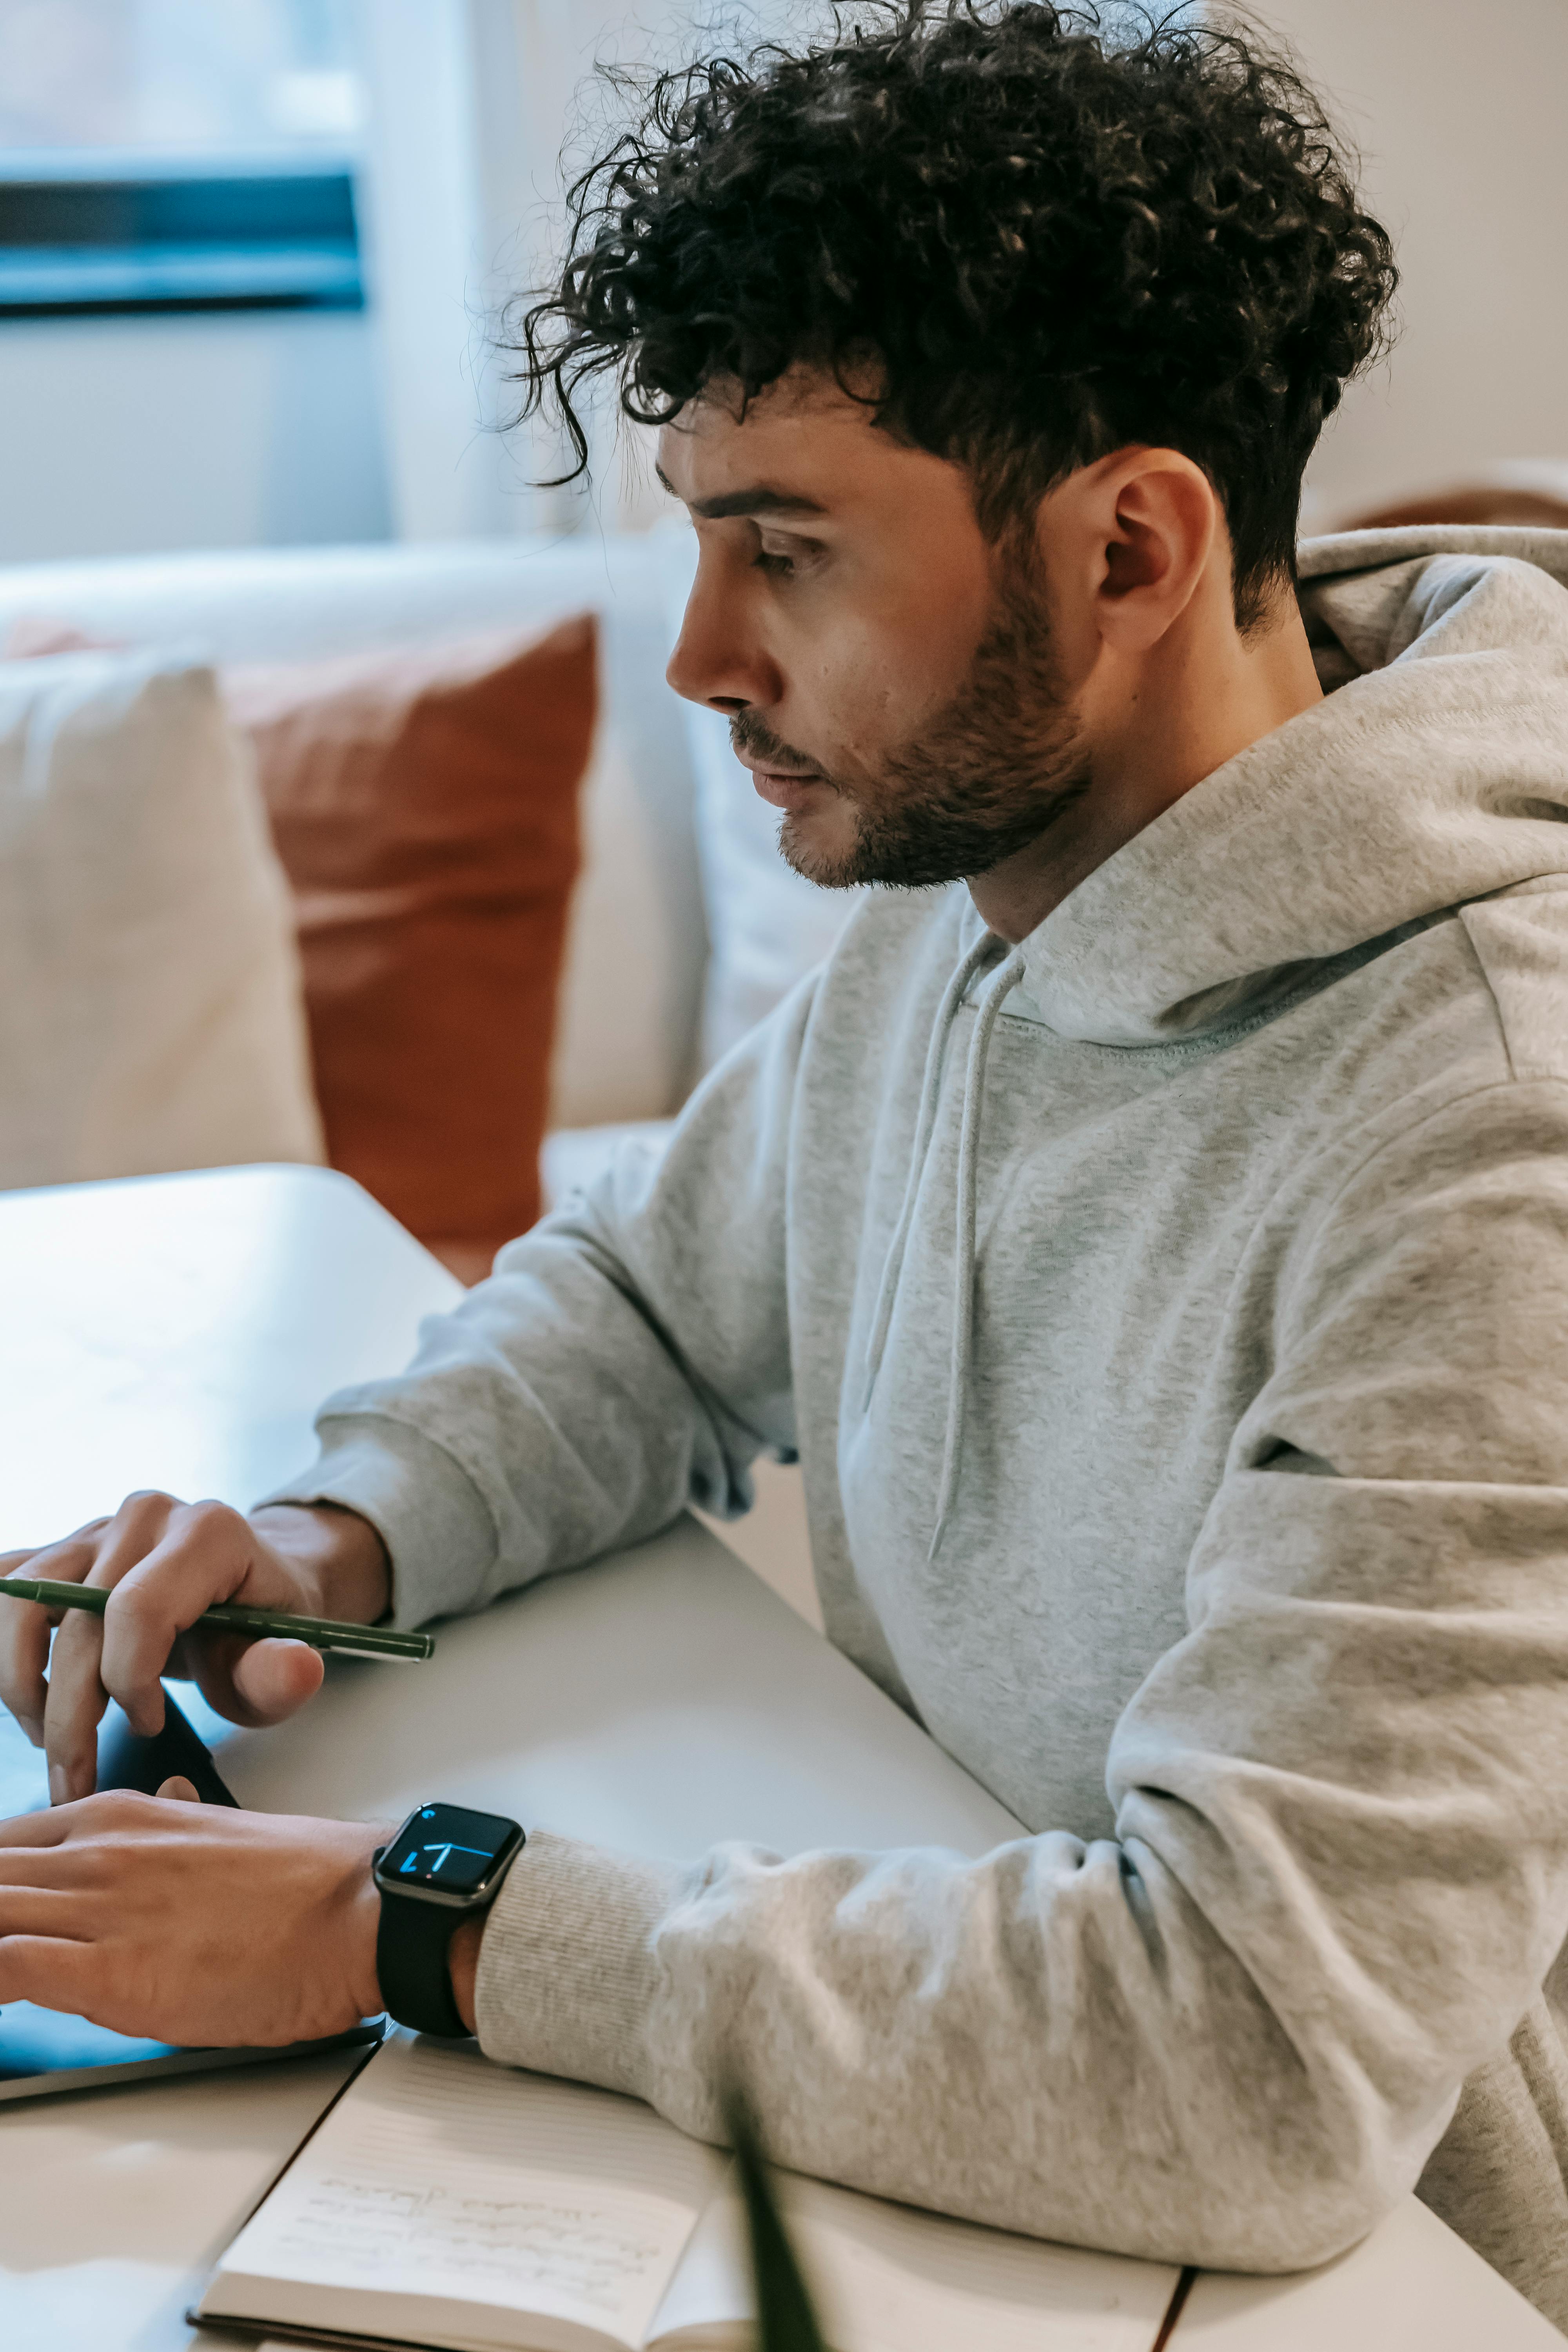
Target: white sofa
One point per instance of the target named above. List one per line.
(634, 1022)
(626, 1051)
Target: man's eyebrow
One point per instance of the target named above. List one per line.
(757, 498)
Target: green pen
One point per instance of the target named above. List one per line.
(228, 1617)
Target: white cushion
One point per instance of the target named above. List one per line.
(624, 1048)
(766, 925)
(149, 1008)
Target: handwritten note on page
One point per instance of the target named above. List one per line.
(451, 2202)
(463, 2192)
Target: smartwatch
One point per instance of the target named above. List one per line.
(445, 1865)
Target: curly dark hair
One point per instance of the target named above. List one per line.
(1050, 240)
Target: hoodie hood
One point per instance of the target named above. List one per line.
(1434, 773)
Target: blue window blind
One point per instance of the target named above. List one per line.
(97, 233)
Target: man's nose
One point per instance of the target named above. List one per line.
(719, 659)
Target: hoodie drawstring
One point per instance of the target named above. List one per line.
(953, 997)
(1008, 974)
(1007, 979)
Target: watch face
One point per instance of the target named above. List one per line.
(447, 1850)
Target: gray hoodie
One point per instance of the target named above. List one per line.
(1171, 1316)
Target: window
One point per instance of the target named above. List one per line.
(177, 154)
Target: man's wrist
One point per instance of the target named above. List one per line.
(463, 1963)
(343, 1565)
(365, 1906)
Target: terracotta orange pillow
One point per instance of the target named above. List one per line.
(424, 803)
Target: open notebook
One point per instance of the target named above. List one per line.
(447, 2201)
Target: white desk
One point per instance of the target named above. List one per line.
(178, 1332)
(173, 1332)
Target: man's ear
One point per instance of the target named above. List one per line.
(1132, 536)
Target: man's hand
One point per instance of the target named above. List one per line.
(166, 1561)
(190, 1923)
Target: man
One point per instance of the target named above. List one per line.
(1150, 1228)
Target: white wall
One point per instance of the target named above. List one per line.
(1459, 110)
(471, 104)
(120, 435)
(1457, 114)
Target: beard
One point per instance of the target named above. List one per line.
(990, 772)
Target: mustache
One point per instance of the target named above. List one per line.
(752, 734)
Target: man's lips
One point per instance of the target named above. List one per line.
(784, 788)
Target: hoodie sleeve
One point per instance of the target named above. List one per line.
(627, 1357)
(1232, 2033)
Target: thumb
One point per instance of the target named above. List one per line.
(273, 1679)
(257, 1683)
(182, 1791)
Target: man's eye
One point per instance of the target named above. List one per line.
(779, 565)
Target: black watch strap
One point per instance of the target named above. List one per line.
(411, 1964)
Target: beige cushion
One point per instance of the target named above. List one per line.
(150, 1006)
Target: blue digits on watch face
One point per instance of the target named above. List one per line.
(449, 1848)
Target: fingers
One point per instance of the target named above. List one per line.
(163, 1562)
(46, 1970)
(59, 1912)
(25, 1625)
(113, 1810)
(179, 1791)
(164, 1570)
(23, 1655)
(24, 1562)
(73, 1707)
(202, 1556)
(36, 1828)
(77, 1695)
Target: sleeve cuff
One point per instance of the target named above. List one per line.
(566, 1967)
(437, 1531)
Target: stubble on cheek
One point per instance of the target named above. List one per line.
(822, 843)
(988, 772)
(859, 788)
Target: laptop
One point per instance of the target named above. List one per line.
(44, 2051)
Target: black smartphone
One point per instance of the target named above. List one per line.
(126, 1760)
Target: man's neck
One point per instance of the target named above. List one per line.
(1194, 705)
